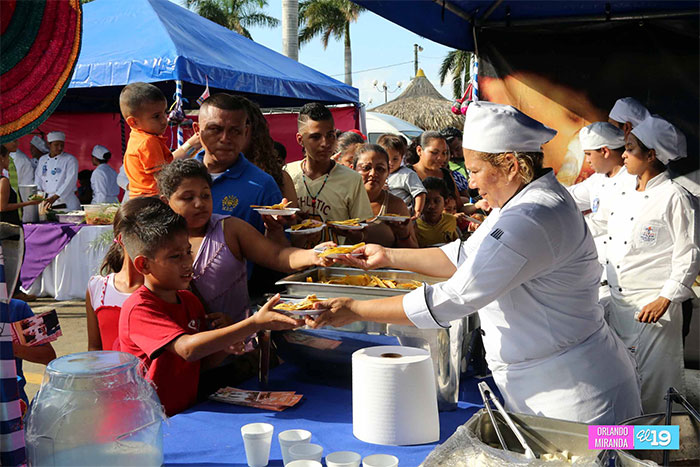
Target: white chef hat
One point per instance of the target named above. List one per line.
(599, 134)
(497, 128)
(55, 136)
(99, 152)
(628, 109)
(663, 137)
(40, 144)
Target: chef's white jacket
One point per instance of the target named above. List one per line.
(104, 185)
(597, 193)
(531, 271)
(59, 176)
(25, 168)
(652, 250)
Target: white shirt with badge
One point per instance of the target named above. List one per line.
(652, 251)
(531, 273)
(104, 185)
(597, 193)
(59, 175)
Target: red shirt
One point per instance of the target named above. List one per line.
(146, 325)
(145, 155)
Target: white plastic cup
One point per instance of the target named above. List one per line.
(304, 463)
(257, 438)
(380, 460)
(308, 451)
(343, 459)
(289, 438)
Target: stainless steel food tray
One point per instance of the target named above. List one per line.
(297, 286)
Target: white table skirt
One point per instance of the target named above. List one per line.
(66, 277)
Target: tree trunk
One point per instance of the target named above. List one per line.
(290, 28)
(348, 55)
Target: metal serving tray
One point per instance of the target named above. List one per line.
(297, 286)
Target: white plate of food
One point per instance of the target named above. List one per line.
(393, 218)
(338, 251)
(280, 209)
(309, 226)
(299, 307)
(350, 224)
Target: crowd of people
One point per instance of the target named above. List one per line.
(191, 254)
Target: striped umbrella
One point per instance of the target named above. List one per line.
(39, 47)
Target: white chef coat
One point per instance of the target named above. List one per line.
(25, 166)
(531, 272)
(104, 185)
(59, 176)
(652, 250)
(123, 182)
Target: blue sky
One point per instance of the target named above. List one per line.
(376, 43)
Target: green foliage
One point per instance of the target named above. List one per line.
(236, 15)
(457, 64)
(327, 18)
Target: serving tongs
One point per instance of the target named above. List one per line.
(486, 396)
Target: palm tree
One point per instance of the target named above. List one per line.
(236, 15)
(290, 28)
(329, 18)
(457, 64)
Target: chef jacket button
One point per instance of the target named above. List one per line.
(618, 266)
(625, 242)
(612, 213)
(607, 261)
(646, 196)
(619, 289)
(605, 242)
(631, 218)
(623, 192)
(609, 238)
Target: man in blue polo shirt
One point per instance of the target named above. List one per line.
(237, 183)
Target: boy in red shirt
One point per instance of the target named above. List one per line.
(144, 108)
(164, 325)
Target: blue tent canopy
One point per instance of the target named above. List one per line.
(452, 22)
(157, 41)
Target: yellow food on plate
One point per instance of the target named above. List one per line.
(274, 206)
(353, 222)
(306, 304)
(366, 280)
(307, 224)
(341, 250)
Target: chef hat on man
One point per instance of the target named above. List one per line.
(497, 128)
(55, 136)
(628, 109)
(39, 143)
(663, 137)
(600, 134)
(99, 152)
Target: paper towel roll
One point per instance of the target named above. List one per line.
(393, 396)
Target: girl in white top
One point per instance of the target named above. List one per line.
(104, 178)
(652, 258)
(530, 271)
(106, 293)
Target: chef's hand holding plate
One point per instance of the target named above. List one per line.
(372, 256)
(339, 313)
(652, 312)
(268, 319)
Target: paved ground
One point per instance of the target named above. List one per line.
(71, 315)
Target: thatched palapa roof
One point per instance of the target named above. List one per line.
(423, 106)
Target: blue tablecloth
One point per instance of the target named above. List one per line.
(209, 433)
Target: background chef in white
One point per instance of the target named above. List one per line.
(627, 113)
(24, 165)
(57, 173)
(603, 145)
(653, 258)
(37, 147)
(104, 178)
(530, 271)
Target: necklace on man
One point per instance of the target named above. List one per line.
(325, 179)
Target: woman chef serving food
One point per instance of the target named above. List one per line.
(530, 271)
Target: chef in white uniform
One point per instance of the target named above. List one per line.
(627, 113)
(652, 259)
(38, 147)
(530, 271)
(57, 173)
(24, 165)
(123, 182)
(104, 178)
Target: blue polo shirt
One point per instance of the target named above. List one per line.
(241, 185)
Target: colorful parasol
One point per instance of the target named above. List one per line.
(39, 47)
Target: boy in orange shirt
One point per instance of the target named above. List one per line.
(144, 108)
